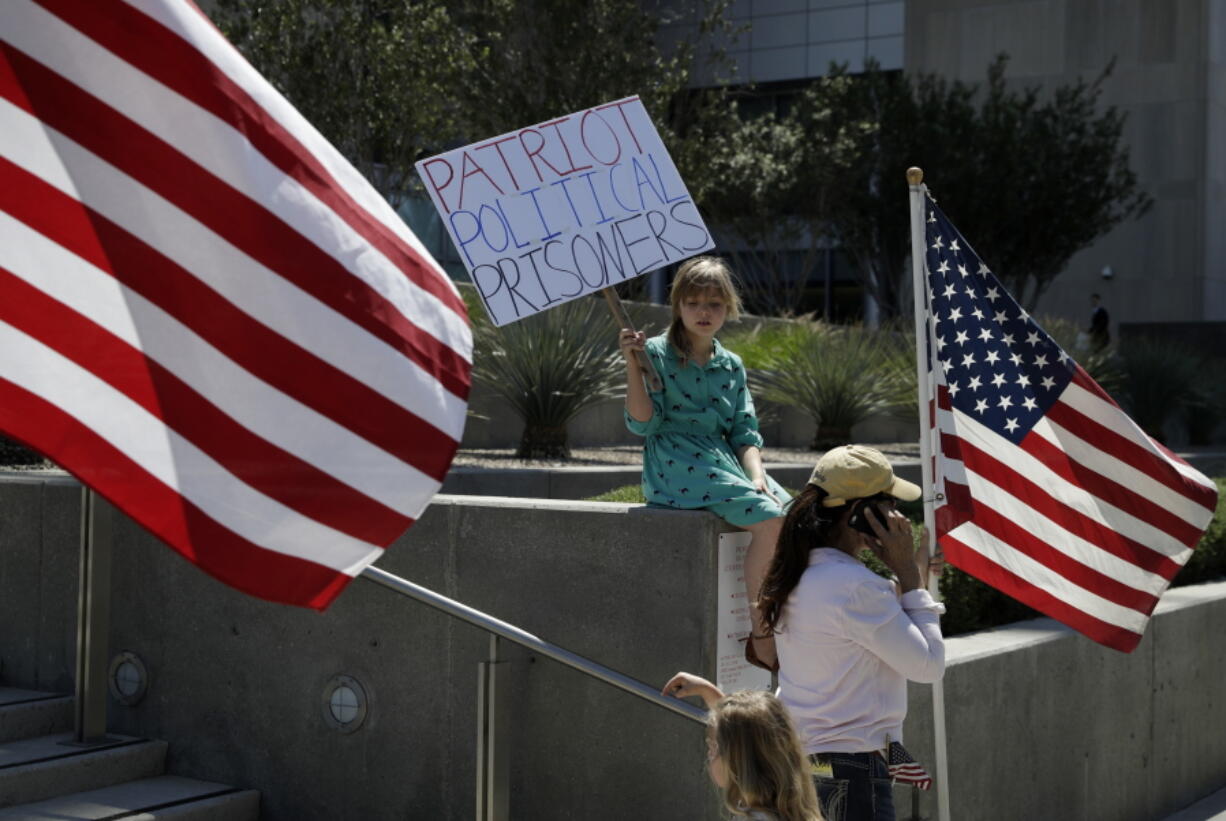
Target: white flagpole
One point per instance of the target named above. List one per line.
(915, 178)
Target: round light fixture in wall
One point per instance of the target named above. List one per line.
(345, 703)
(127, 678)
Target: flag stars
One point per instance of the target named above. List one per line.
(992, 294)
(975, 383)
(981, 405)
(1005, 402)
(1048, 382)
(948, 292)
(943, 268)
(1000, 317)
(962, 270)
(1015, 358)
(985, 335)
(1011, 425)
(955, 314)
(1063, 357)
(1029, 404)
(932, 217)
(998, 380)
(953, 389)
(961, 338)
(939, 244)
(1023, 380)
(968, 360)
(978, 314)
(953, 246)
(992, 357)
(946, 365)
(940, 343)
(1032, 338)
(1040, 361)
(983, 270)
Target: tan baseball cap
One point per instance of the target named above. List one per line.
(856, 472)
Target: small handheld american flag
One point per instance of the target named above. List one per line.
(906, 770)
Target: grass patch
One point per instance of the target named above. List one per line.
(631, 494)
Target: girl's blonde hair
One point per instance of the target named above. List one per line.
(765, 765)
(697, 276)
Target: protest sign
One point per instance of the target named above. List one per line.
(551, 212)
(732, 621)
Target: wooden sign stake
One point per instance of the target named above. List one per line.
(622, 320)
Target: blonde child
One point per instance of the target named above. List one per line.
(753, 753)
(702, 448)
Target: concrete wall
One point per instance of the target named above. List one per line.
(1042, 723)
(1169, 79)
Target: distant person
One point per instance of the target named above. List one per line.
(1100, 324)
(848, 640)
(753, 754)
(702, 448)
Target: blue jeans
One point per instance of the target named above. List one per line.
(858, 789)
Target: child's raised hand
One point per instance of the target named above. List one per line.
(684, 685)
(630, 341)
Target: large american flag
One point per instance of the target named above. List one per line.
(206, 314)
(1045, 489)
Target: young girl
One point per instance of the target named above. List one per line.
(702, 446)
(753, 753)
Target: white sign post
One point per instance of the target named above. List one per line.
(732, 619)
(548, 213)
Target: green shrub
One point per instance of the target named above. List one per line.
(1158, 379)
(550, 367)
(626, 493)
(839, 376)
(1208, 561)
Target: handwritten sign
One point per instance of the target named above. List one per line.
(732, 619)
(557, 210)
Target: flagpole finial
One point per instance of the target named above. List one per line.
(915, 175)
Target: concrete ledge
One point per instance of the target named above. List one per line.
(587, 481)
(1042, 723)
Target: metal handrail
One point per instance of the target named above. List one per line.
(512, 633)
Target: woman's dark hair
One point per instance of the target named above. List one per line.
(806, 526)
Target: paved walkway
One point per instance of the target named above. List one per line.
(1210, 808)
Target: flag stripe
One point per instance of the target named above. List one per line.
(220, 552)
(269, 299)
(268, 356)
(249, 103)
(1010, 520)
(1103, 524)
(236, 218)
(38, 369)
(266, 468)
(962, 555)
(137, 67)
(1109, 490)
(1091, 418)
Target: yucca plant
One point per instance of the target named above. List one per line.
(550, 367)
(1204, 417)
(1158, 379)
(839, 376)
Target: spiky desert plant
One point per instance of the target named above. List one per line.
(1158, 380)
(550, 367)
(839, 376)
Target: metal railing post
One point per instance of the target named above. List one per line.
(493, 725)
(93, 619)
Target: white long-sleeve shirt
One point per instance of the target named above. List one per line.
(847, 645)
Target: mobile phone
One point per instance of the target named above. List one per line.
(859, 521)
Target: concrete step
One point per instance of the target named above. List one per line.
(164, 797)
(29, 713)
(35, 769)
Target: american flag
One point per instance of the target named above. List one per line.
(1045, 489)
(904, 769)
(206, 314)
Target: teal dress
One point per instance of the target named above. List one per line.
(699, 421)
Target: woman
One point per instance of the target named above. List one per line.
(848, 639)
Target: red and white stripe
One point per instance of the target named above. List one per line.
(1088, 520)
(206, 313)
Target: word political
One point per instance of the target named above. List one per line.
(554, 211)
